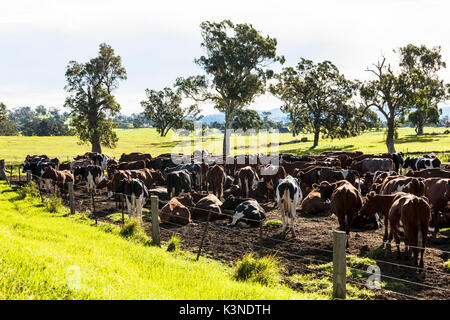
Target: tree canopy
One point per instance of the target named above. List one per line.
(318, 99)
(7, 127)
(163, 108)
(90, 86)
(427, 90)
(235, 61)
(246, 120)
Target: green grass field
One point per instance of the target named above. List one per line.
(57, 256)
(14, 149)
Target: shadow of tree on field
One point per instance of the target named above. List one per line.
(164, 144)
(318, 150)
(414, 138)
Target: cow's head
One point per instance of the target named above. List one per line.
(49, 173)
(326, 189)
(371, 205)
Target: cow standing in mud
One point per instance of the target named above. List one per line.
(288, 196)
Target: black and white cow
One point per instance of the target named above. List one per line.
(398, 160)
(135, 193)
(178, 182)
(37, 167)
(92, 174)
(248, 211)
(101, 160)
(420, 163)
(288, 196)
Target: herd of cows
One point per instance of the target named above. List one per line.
(358, 188)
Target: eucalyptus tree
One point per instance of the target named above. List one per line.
(236, 63)
(91, 102)
(7, 127)
(428, 90)
(163, 108)
(390, 93)
(318, 99)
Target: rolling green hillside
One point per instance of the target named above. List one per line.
(56, 256)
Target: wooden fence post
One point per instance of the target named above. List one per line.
(155, 221)
(71, 197)
(10, 175)
(19, 175)
(3, 170)
(205, 231)
(339, 264)
(122, 205)
(28, 176)
(261, 231)
(93, 206)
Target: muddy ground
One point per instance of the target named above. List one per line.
(313, 245)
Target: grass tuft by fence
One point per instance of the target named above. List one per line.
(265, 270)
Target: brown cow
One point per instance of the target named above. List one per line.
(429, 173)
(134, 156)
(403, 184)
(437, 191)
(378, 203)
(247, 178)
(215, 180)
(346, 202)
(60, 177)
(205, 206)
(133, 165)
(314, 204)
(144, 175)
(175, 213)
(204, 167)
(413, 213)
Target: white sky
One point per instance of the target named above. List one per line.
(158, 40)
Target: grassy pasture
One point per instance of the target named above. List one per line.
(47, 255)
(14, 149)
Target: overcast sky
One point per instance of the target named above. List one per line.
(158, 40)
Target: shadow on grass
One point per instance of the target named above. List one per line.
(318, 150)
(414, 138)
(164, 144)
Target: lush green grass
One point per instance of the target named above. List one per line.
(273, 224)
(47, 255)
(447, 265)
(14, 149)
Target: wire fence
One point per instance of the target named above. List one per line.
(305, 259)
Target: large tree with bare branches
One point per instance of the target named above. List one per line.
(390, 93)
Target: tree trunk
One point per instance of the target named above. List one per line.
(96, 147)
(419, 129)
(226, 141)
(390, 136)
(316, 138)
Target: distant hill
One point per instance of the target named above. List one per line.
(446, 111)
(276, 115)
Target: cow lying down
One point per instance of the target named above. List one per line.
(246, 210)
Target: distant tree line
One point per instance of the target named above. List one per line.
(39, 121)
